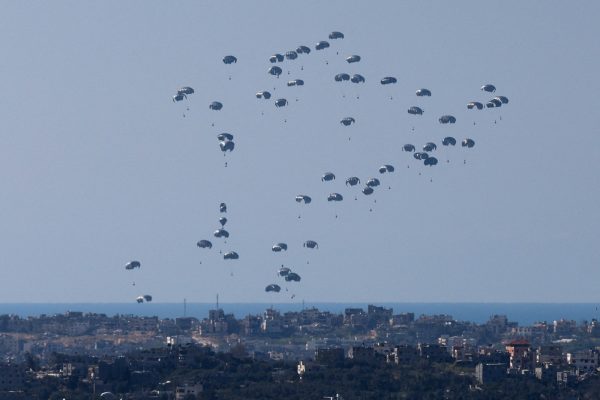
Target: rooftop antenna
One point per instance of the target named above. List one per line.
(184, 306)
(217, 301)
(302, 304)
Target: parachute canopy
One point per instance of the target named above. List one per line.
(408, 147)
(429, 146)
(468, 143)
(275, 71)
(296, 82)
(414, 110)
(328, 176)
(185, 90)
(423, 92)
(281, 103)
(231, 255)
(147, 297)
(342, 77)
(229, 59)
(352, 181)
(276, 58)
(336, 35)
(204, 244)
(279, 246)
(386, 168)
(430, 161)
(223, 207)
(488, 88)
(225, 136)
(388, 79)
(322, 45)
(474, 104)
(263, 95)
(222, 221)
(347, 121)
(368, 190)
(221, 233)
(179, 97)
(273, 288)
(303, 198)
(311, 244)
(292, 277)
(227, 145)
(357, 78)
(133, 264)
(373, 182)
(335, 197)
(215, 105)
(303, 50)
(447, 119)
(352, 59)
(503, 99)
(291, 55)
(449, 141)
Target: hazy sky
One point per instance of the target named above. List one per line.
(99, 167)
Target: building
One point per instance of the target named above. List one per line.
(489, 373)
(583, 361)
(186, 390)
(521, 356)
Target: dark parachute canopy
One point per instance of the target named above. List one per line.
(179, 97)
(352, 59)
(322, 45)
(352, 181)
(335, 197)
(147, 297)
(215, 105)
(336, 35)
(328, 176)
(347, 121)
(133, 264)
(263, 95)
(430, 161)
(140, 299)
(423, 92)
(449, 141)
(225, 136)
(414, 110)
(204, 244)
(474, 105)
(386, 168)
(447, 119)
(223, 208)
(342, 77)
(276, 58)
(373, 182)
(292, 277)
(185, 90)
(273, 288)
(227, 145)
(275, 70)
(311, 244)
(303, 50)
(503, 99)
(229, 59)
(303, 198)
(496, 102)
(388, 80)
(296, 82)
(284, 271)
(421, 156)
(408, 147)
(468, 143)
(281, 103)
(291, 55)
(357, 78)
(279, 246)
(368, 190)
(231, 255)
(489, 88)
(429, 146)
(222, 221)
(490, 104)
(221, 233)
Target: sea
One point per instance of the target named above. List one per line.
(522, 313)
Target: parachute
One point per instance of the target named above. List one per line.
(273, 288)
(347, 121)
(449, 141)
(147, 297)
(215, 105)
(430, 161)
(445, 119)
(474, 104)
(276, 58)
(275, 71)
(421, 156)
(185, 90)
(388, 79)
(368, 190)
(140, 299)
(179, 97)
(386, 168)
(296, 82)
(352, 181)
(263, 95)
(328, 176)
(408, 147)
(414, 110)
(204, 244)
(303, 50)
(429, 146)
(225, 136)
(490, 104)
(352, 59)
(222, 221)
(503, 99)
(468, 143)
(373, 182)
(132, 265)
(231, 255)
(279, 246)
(284, 271)
(322, 45)
(357, 78)
(281, 103)
(223, 208)
(335, 197)
(292, 277)
(423, 92)
(221, 233)
(291, 55)
(227, 146)
(229, 59)
(488, 88)
(311, 244)
(496, 101)
(303, 198)
(336, 35)
(342, 77)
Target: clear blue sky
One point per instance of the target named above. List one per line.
(98, 167)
